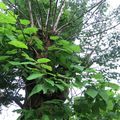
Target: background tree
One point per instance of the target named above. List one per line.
(38, 55)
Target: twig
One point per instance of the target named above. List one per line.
(70, 22)
(15, 7)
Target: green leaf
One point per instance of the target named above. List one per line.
(98, 76)
(43, 60)
(63, 42)
(45, 117)
(110, 105)
(35, 76)
(2, 58)
(90, 70)
(46, 67)
(92, 92)
(64, 83)
(74, 48)
(60, 87)
(14, 63)
(12, 52)
(26, 63)
(114, 86)
(63, 76)
(38, 43)
(36, 89)
(11, 37)
(27, 56)
(24, 22)
(18, 44)
(77, 67)
(104, 95)
(50, 81)
(21, 63)
(30, 30)
(3, 6)
(54, 37)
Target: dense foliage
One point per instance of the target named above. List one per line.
(38, 54)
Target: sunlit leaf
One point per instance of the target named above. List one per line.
(43, 60)
(30, 30)
(3, 6)
(54, 37)
(18, 44)
(24, 22)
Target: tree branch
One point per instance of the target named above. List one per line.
(17, 8)
(70, 22)
(54, 12)
(59, 16)
(30, 13)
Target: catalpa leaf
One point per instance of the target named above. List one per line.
(43, 60)
(34, 76)
(18, 44)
